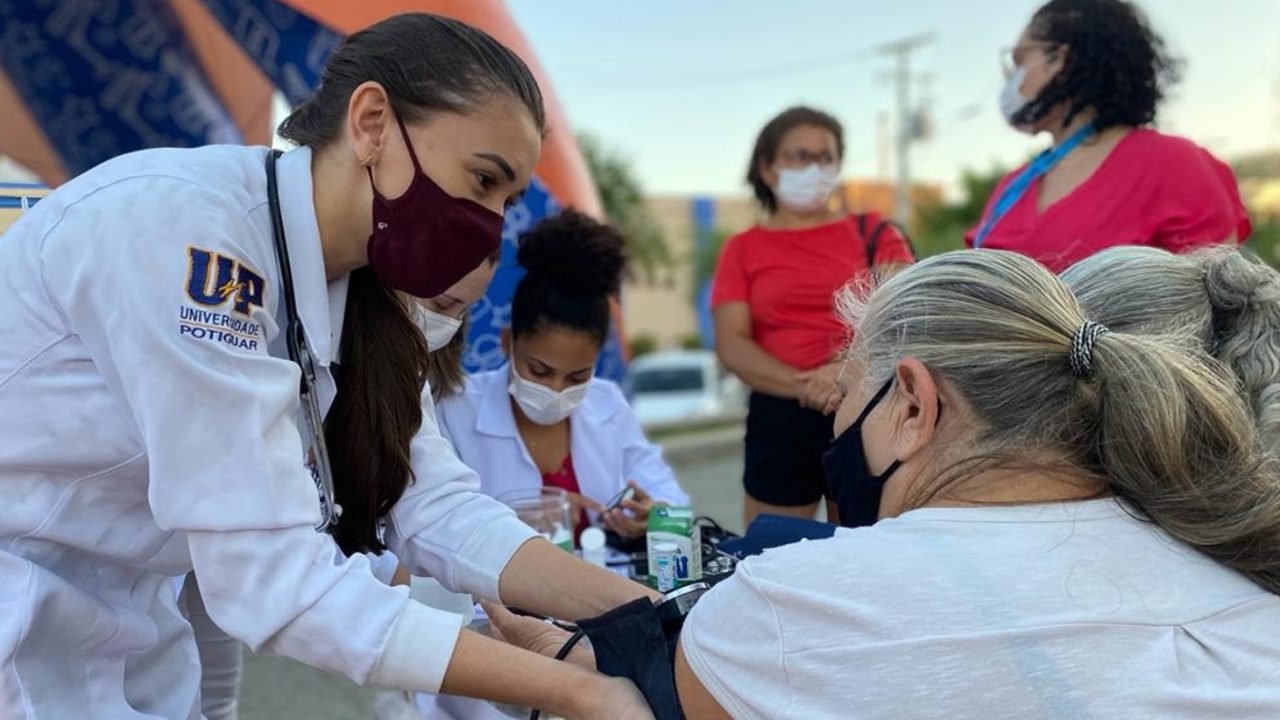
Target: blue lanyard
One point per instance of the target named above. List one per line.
(1014, 191)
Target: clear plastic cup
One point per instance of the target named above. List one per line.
(545, 509)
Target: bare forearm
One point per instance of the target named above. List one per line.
(758, 369)
(482, 667)
(541, 578)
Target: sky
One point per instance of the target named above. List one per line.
(681, 88)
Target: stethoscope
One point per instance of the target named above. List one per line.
(300, 353)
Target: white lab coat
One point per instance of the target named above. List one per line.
(135, 449)
(606, 443)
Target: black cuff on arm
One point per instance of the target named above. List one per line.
(630, 641)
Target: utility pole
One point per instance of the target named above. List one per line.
(883, 138)
(908, 119)
(1275, 101)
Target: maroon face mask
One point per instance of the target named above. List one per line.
(426, 240)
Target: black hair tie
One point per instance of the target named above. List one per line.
(1082, 348)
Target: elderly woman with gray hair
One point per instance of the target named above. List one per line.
(1074, 521)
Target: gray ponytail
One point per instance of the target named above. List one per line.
(1221, 299)
(1245, 295)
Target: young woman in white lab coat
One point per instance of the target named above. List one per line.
(150, 406)
(544, 420)
(441, 320)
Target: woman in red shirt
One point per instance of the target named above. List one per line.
(772, 298)
(1091, 73)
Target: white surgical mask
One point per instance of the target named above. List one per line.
(543, 405)
(1012, 101)
(808, 188)
(436, 328)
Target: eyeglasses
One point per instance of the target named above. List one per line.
(1012, 58)
(801, 157)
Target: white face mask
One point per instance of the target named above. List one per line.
(436, 328)
(1012, 101)
(543, 405)
(806, 189)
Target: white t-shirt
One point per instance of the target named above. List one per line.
(1065, 611)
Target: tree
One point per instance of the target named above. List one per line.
(705, 257)
(942, 225)
(624, 206)
(1265, 240)
(1261, 168)
(643, 344)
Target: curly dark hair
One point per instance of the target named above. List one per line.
(770, 138)
(1116, 63)
(572, 265)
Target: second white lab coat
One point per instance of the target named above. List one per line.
(606, 443)
(607, 446)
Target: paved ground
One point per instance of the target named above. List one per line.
(709, 467)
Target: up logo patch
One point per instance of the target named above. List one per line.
(213, 280)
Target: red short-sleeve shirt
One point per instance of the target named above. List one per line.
(1152, 189)
(566, 478)
(789, 279)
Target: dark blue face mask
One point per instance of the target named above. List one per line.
(854, 489)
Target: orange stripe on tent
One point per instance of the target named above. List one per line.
(561, 166)
(245, 92)
(22, 140)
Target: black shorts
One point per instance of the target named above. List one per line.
(784, 448)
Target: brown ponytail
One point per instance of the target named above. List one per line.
(427, 64)
(377, 410)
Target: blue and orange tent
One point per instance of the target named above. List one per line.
(82, 81)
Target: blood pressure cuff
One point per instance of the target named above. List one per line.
(771, 531)
(631, 642)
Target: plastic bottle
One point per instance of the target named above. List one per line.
(592, 543)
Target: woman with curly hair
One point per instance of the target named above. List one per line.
(1092, 73)
(544, 419)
